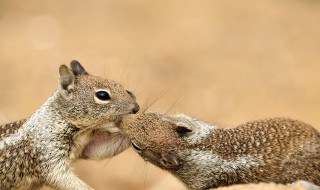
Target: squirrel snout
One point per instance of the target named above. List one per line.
(136, 108)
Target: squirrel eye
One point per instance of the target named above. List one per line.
(136, 147)
(103, 95)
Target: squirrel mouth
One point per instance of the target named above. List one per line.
(118, 120)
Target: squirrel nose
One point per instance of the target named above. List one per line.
(136, 108)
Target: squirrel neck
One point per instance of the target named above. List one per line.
(50, 120)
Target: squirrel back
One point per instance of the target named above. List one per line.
(10, 128)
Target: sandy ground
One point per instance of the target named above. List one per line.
(225, 62)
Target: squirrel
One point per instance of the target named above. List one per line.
(76, 122)
(204, 156)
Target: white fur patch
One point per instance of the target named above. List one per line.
(211, 160)
(306, 184)
(206, 167)
(113, 129)
(200, 129)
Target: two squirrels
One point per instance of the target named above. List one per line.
(82, 120)
(78, 121)
(204, 156)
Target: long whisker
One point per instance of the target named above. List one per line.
(107, 162)
(176, 101)
(148, 105)
(124, 69)
(145, 177)
(104, 71)
(144, 106)
(116, 148)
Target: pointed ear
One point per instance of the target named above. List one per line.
(77, 68)
(170, 160)
(66, 81)
(183, 131)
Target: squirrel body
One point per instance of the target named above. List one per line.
(203, 156)
(38, 151)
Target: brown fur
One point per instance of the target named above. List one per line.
(272, 150)
(10, 128)
(72, 124)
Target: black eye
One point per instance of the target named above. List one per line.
(136, 147)
(183, 131)
(103, 95)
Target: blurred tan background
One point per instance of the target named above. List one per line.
(223, 61)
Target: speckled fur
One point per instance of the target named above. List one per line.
(272, 150)
(10, 128)
(38, 151)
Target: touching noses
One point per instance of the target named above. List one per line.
(135, 108)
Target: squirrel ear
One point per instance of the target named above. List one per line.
(183, 131)
(170, 160)
(66, 81)
(77, 68)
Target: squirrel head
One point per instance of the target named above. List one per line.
(173, 143)
(160, 138)
(86, 100)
